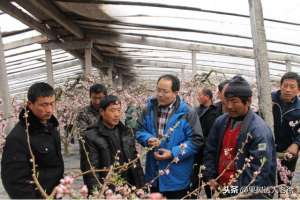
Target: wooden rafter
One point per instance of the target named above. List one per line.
(10, 9)
(67, 45)
(196, 47)
(53, 12)
(12, 33)
(25, 42)
(169, 6)
(179, 29)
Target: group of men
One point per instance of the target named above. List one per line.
(233, 143)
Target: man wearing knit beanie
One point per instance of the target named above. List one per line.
(224, 157)
(238, 88)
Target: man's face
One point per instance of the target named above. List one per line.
(164, 93)
(202, 99)
(43, 107)
(235, 107)
(96, 98)
(289, 89)
(111, 115)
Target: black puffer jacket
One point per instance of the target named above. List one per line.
(16, 168)
(207, 117)
(286, 122)
(101, 151)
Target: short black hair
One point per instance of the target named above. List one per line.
(174, 79)
(291, 75)
(98, 88)
(222, 84)
(108, 100)
(207, 92)
(39, 89)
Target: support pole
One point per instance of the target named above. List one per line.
(182, 73)
(110, 76)
(4, 89)
(261, 61)
(194, 63)
(288, 66)
(50, 78)
(120, 82)
(194, 71)
(88, 62)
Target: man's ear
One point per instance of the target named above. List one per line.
(29, 104)
(101, 111)
(249, 101)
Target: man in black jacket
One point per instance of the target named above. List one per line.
(16, 165)
(286, 113)
(106, 140)
(207, 113)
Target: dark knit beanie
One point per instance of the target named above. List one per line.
(238, 87)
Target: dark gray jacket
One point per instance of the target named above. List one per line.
(101, 151)
(260, 145)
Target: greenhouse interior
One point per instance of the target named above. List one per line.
(130, 47)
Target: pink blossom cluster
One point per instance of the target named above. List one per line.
(284, 173)
(3, 125)
(127, 192)
(4, 121)
(65, 188)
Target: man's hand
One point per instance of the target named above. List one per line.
(293, 149)
(213, 184)
(162, 154)
(153, 142)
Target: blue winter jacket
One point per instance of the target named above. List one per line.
(260, 144)
(187, 132)
(286, 122)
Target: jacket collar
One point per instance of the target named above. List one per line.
(178, 106)
(34, 122)
(92, 109)
(205, 109)
(246, 123)
(276, 98)
(102, 127)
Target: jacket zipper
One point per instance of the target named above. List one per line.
(283, 114)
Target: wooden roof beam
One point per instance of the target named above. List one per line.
(238, 52)
(52, 11)
(17, 13)
(15, 32)
(25, 42)
(74, 45)
(42, 70)
(67, 45)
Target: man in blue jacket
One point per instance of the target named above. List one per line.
(239, 137)
(286, 113)
(172, 129)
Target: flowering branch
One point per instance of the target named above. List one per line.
(32, 160)
(255, 174)
(241, 150)
(92, 168)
